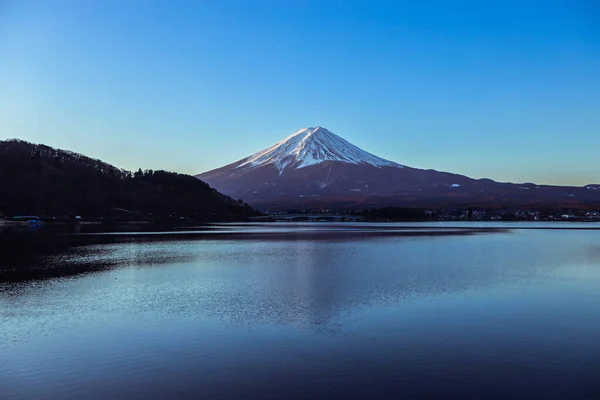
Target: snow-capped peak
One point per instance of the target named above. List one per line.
(310, 146)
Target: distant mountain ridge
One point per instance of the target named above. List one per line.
(315, 168)
(40, 180)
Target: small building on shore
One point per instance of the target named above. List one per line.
(27, 219)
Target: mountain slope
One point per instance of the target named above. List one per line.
(37, 179)
(311, 146)
(315, 168)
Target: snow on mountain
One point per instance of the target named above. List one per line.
(314, 168)
(310, 146)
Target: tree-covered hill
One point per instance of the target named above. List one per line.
(40, 180)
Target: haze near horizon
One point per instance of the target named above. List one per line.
(503, 90)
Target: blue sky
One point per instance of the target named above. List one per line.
(508, 90)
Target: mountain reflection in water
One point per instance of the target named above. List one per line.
(302, 311)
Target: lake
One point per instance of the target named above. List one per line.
(303, 311)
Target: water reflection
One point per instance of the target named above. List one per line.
(64, 251)
(233, 311)
(296, 279)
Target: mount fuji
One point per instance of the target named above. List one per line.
(315, 168)
(312, 146)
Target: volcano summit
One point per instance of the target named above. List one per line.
(312, 146)
(315, 168)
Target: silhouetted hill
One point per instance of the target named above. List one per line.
(40, 180)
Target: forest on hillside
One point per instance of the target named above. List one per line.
(40, 180)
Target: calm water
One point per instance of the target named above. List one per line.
(304, 311)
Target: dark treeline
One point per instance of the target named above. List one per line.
(394, 214)
(41, 180)
(374, 214)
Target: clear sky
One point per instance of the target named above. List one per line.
(508, 90)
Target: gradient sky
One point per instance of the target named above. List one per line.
(508, 90)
